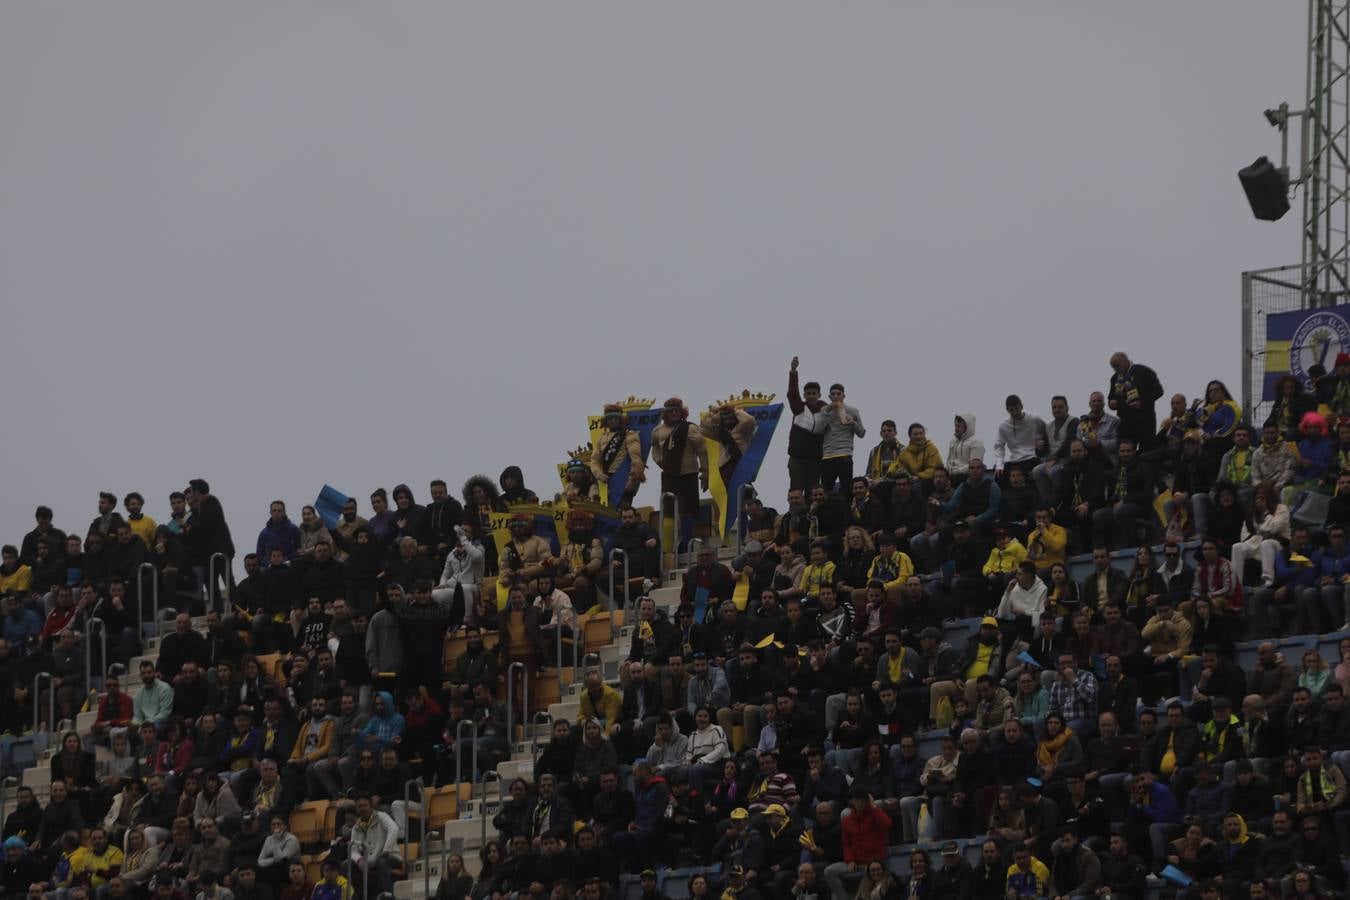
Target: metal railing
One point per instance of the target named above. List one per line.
(695, 545)
(482, 807)
(140, 600)
(102, 628)
(558, 640)
(675, 532)
(51, 700)
(613, 597)
(4, 796)
(407, 814)
(510, 698)
(365, 876)
(213, 586)
(534, 735)
(459, 755)
(742, 525)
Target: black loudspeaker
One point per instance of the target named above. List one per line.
(1266, 190)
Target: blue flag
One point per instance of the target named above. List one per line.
(329, 505)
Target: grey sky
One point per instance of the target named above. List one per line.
(281, 244)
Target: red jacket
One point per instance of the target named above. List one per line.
(865, 835)
(118, 715)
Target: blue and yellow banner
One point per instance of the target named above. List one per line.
(643, 421)
(726, 494)
(1298, 340)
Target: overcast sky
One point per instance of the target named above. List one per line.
(277, 245)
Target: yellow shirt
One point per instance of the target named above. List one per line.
(984, 656)
(143, 528)
(813, 577)
(98, 867)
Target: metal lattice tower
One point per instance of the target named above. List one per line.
(1326, 149)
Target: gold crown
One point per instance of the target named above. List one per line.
(634, 404)
(745, 399)
(582, 453)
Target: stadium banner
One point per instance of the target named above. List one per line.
(329, 505)
(726, 492)
(642, 419)
(1299, 340)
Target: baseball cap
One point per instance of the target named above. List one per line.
(754, 547)
(950, 849)
(775, 809)
(990, 621)
(648, 873)
(739, 813)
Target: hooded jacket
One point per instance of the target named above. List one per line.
(283, 536)
(386, 727)
(521, 494)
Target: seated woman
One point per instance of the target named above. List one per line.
(1059, 753)
(1217, 418)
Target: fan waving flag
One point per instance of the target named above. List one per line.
(329, 505)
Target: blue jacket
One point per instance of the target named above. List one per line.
(17, 633)
(284, 536)
(387, 727)
(1287, 574)
(1331, 565)
(1162, 806)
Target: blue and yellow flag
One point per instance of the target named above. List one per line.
(726, 493)
(641, 419)
(1298, 340)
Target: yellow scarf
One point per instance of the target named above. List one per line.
(1048, 750)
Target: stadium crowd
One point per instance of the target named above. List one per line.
(1090, 732)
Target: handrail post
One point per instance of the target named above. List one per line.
(613, 601)
(445, 853)
(534, 736)
(4, 788)
(510, 698)
(37, 693)
(154, 599)
(459, 746)
(742, 526)
(559, 658)
(814, 529)
(674, 534)
(89, 650)
(695, 544)
(482, 807)
(407, 797)
(213, 590)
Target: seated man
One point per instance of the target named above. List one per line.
(1129, 499)
(583, 554)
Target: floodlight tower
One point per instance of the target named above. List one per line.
(1326, 165)
(1322, 278)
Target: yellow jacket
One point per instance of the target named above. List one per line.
(919, 463)
(19, 581)
(1047, 547)
(611, 701)
(898, 563)
(1005, 560)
